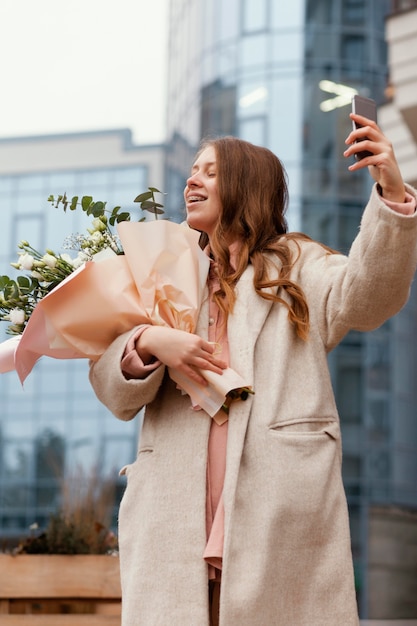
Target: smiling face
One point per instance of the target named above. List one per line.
(201, 194)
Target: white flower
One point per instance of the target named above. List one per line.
(17, 316)
(67, 258)
(81, 258)
(36, 275)
(49, 260)
(97, 238)
(98, 225)
(26, 261)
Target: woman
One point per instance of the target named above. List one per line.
(252, 500)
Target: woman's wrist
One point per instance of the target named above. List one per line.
(142, 348)
(396, 195)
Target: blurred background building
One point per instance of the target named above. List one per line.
(280, 75)
(54, 426)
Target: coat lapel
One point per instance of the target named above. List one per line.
(244, 327)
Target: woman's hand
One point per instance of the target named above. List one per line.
(382, 165)
(180, 350)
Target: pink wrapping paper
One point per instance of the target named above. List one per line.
(159, 280)
(7, 351)
(81, 316)
(210, 397)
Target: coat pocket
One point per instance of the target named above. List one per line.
(306, 428)
(303, 463)
(143, 451)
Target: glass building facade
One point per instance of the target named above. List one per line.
(282, 75)
(55, 427)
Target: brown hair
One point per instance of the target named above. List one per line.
(253, 192)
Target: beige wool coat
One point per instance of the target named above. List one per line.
(287, 555)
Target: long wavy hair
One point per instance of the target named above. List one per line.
(253, 191)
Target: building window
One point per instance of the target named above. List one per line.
(21, 225)
(253, 130)
(31, 183)
(254, 15)
(6, 185)
(353, 55)
(253, 51)
(218, 109)
(353, 11)
(349, 383)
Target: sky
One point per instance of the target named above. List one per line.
(78, 65)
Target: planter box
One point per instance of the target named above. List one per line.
(79, 590)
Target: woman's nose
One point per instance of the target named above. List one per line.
(192, 181)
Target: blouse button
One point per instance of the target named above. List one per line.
(211, 321)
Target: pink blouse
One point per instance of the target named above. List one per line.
(216, 463)
(133, 367)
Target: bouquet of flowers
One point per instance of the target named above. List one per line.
(124, 274)
(18, 298)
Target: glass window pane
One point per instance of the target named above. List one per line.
(253, 130)
(6, 184)
(253, 98)
(17, 457)
(255, 15)
(353, 11)
(27, 227)
(32, 182)
(253, 51)
(287, 14)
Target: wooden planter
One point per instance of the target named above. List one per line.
(42, 590)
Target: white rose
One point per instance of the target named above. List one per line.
(17, 316)
(96, 238)
(98, 224)
(79, 260)
(49, 260)
(67, 258)
(26, 261)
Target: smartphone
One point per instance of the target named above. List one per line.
(367, 108)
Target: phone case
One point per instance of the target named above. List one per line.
(367, 108)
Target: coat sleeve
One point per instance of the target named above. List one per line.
(123, 397)
(362, 290)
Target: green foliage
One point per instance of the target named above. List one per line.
(19, 297)
(148, 203)
(99, 209)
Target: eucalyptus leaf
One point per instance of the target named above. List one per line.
(123, 217)
(96, 209)
(86, 202)
(143, 196)
(74, 203)
(24, 282)
(3, 281)
(153, 209)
